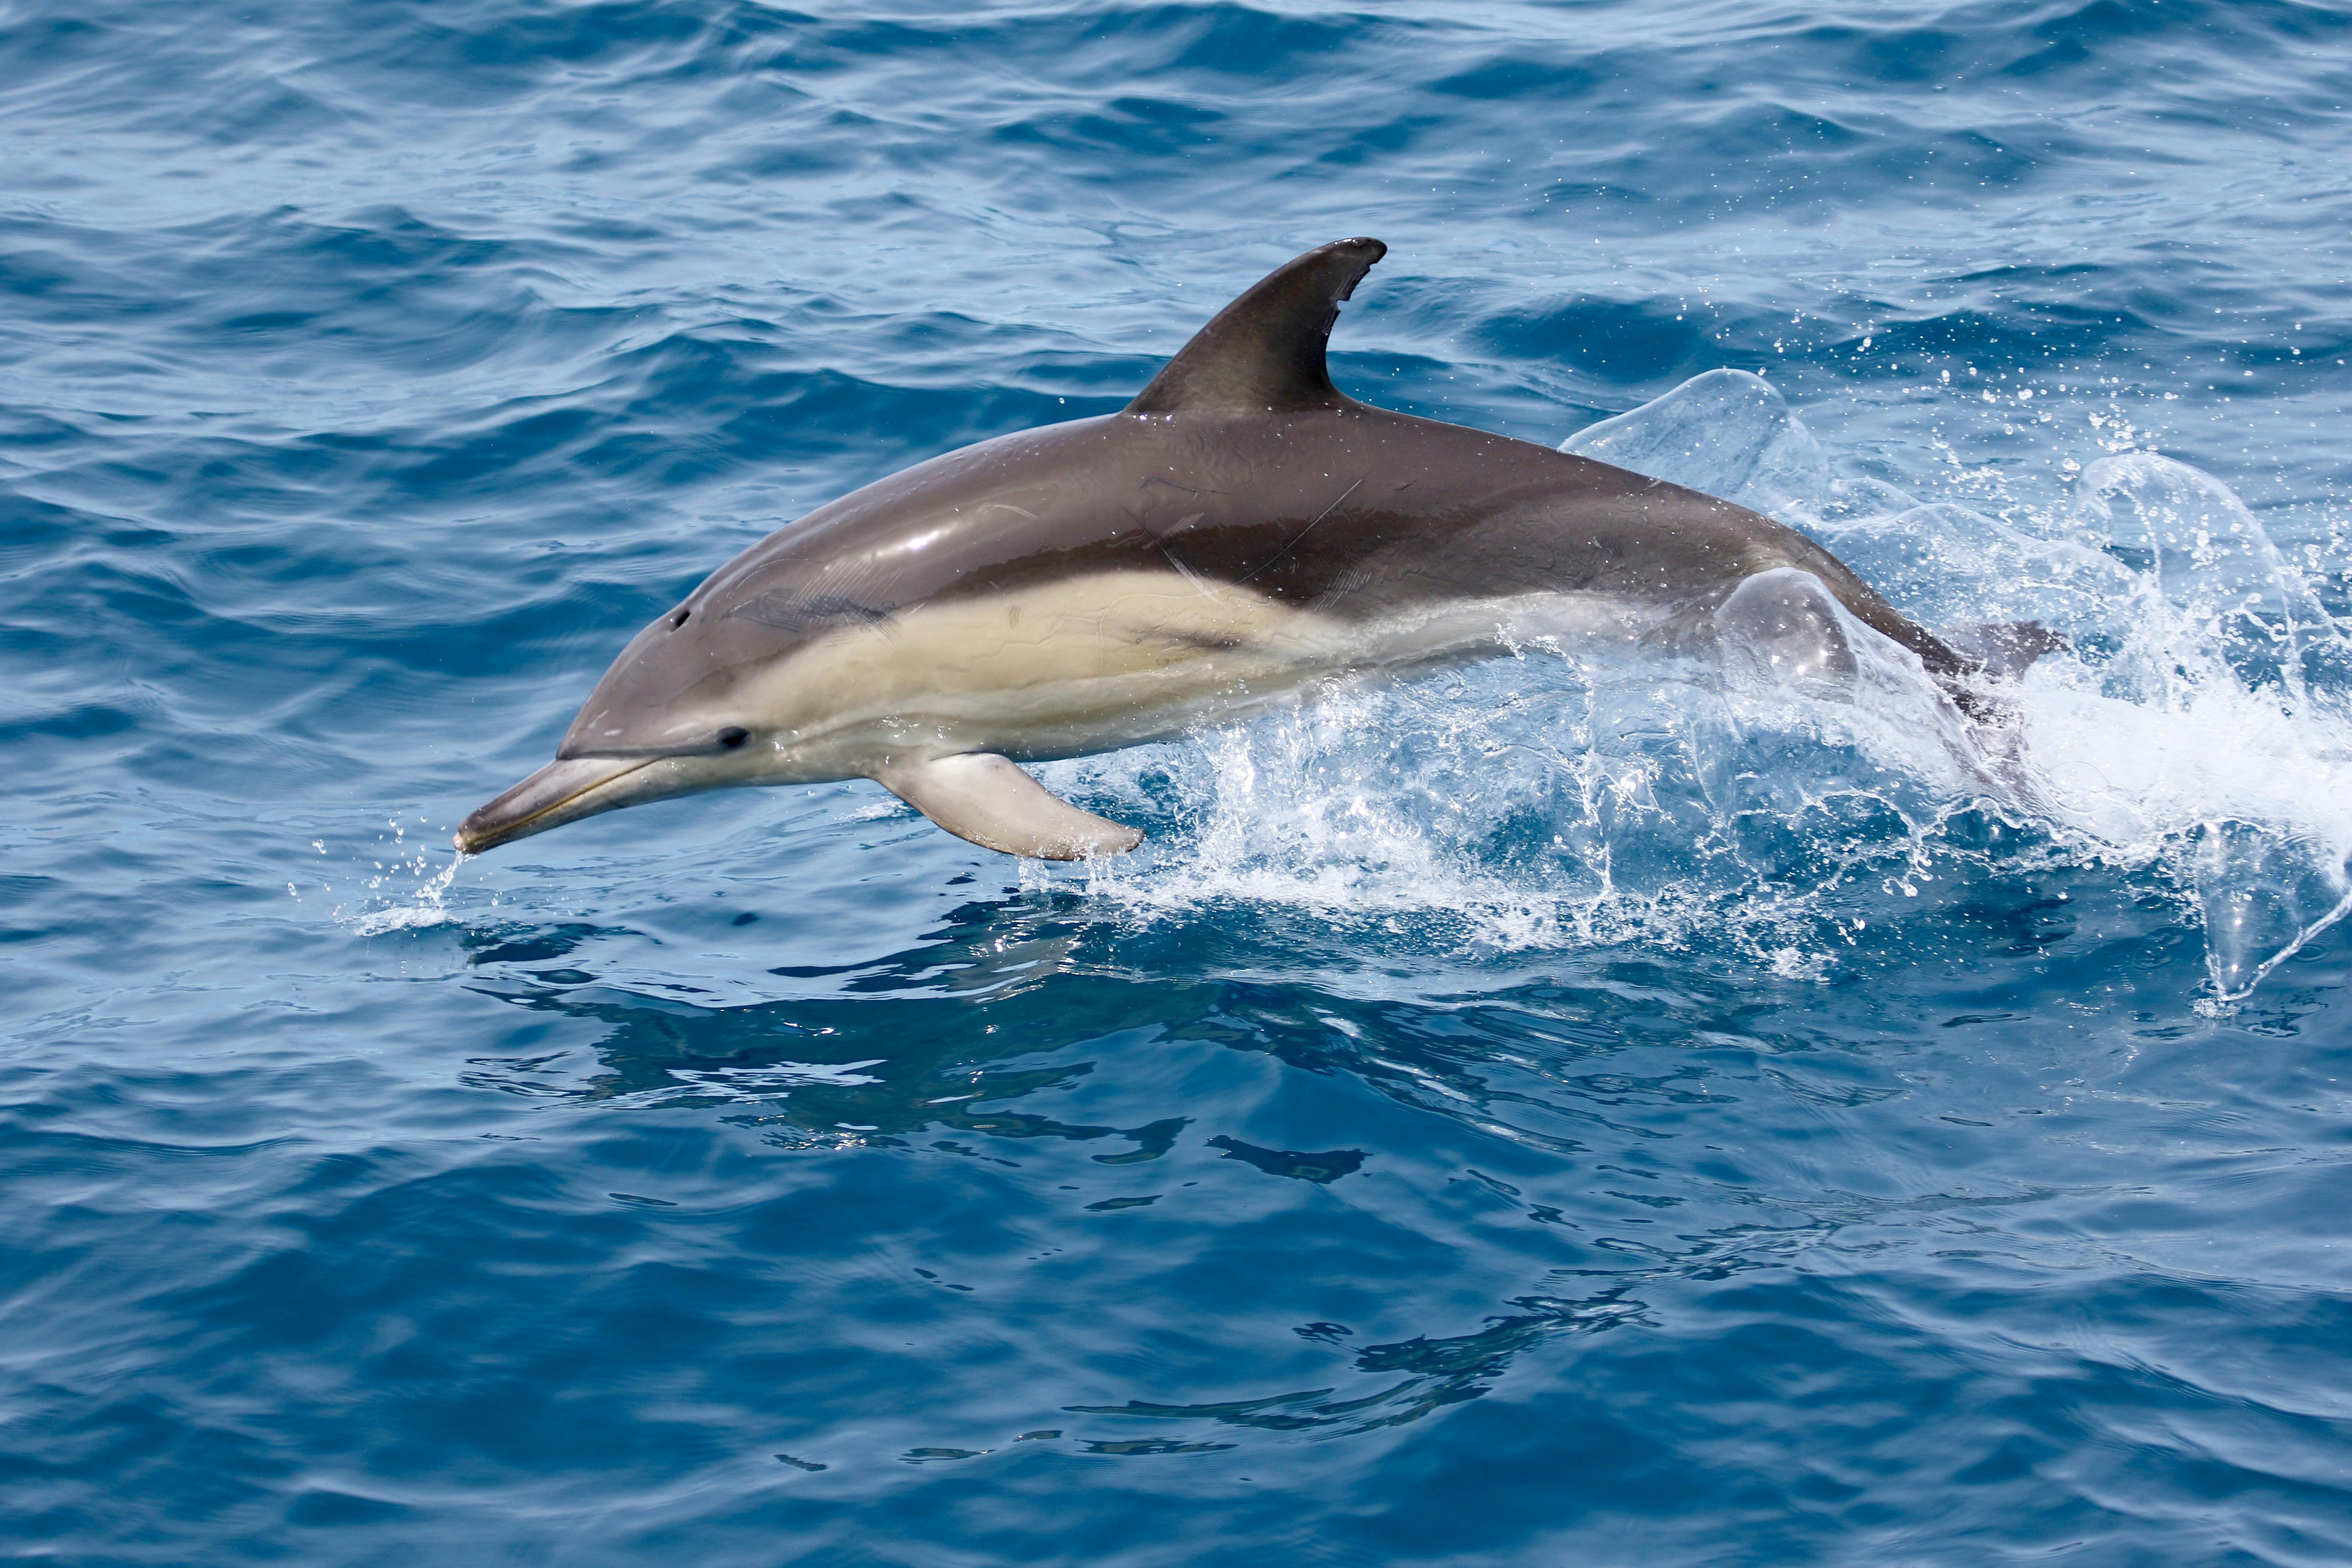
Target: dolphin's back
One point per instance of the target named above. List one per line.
(1242, 467)
(1356, 513)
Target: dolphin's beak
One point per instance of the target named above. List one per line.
(561, 792)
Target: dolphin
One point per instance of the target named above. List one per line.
(1240, 535)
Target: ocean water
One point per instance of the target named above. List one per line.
(1534, 1114)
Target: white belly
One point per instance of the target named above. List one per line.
(1110, 660)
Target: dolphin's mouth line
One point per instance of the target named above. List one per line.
(585, 789)
(644, 753)
(472, 840)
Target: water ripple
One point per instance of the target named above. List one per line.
(1536, 1114)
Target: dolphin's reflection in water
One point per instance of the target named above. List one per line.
(935, 1048)
(806, 1066)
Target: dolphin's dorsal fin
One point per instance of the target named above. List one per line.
(1264, 351)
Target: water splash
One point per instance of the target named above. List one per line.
(1811, 780)
(1726, 432)
(2200, 725)
(424, 905)
(428, 907)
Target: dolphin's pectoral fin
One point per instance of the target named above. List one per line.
(989, 800)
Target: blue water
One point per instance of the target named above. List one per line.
(1516, 1117)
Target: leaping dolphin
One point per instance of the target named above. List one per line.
(1239, 534)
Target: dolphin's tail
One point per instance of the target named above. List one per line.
(1998, 652)
(1783, 615)
(1787, 627)
(1959, 658)
(2004, 649)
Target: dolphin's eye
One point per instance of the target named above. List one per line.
(678, 617)
(733, 736)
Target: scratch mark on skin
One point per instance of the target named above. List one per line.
(1183, 567)
(1286, 551)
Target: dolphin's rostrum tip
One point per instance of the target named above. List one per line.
(564, 791)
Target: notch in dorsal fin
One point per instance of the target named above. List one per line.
(1264, 351)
